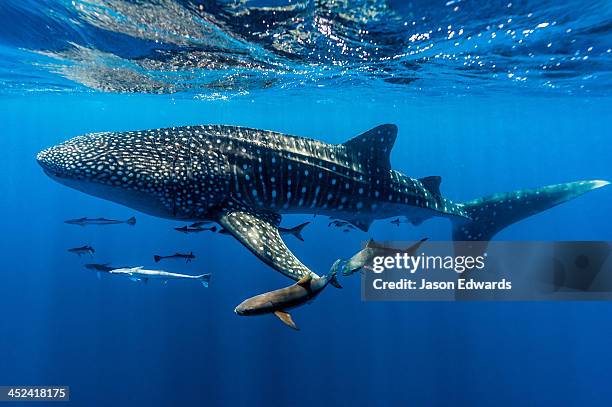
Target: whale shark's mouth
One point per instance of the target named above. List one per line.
(51, 173)
(76, 167)
(57, 163)
(50, 163)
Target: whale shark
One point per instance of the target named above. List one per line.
(245, 179)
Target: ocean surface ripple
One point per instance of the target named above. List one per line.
(225, 48)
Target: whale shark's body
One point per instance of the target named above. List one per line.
(245, 179)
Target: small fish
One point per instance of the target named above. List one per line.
(100, 221)
(415, 221)
(99, 267)
(143, 275)
(277, 302)
(373, 249)
(189, 229)
(82, 250)
(200, 224)
(398, 221)
(337, 223)
(188, 257)
(294, 231)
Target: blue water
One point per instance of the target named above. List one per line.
(69, 68)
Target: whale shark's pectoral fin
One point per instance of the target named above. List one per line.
(286, 318)
(259, 233)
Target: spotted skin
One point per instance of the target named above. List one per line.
(354, 181)
(172, 173)
(245, 179)
(260, 234)
(490, 214)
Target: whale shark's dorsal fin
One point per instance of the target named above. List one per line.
(432, 184)
(374, 146)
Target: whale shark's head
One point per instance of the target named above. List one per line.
(149, 171)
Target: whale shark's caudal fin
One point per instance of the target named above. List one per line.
(493, 213)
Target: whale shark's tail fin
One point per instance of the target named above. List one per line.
(493, 213)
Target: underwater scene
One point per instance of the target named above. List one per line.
(185, 180)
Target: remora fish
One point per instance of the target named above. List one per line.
(245, 179)
(188, 257)
(199, 224)
(104, 267)
(295, 231)
(196, 229)
(281, 300)
(82, 250)
(143, 275)
(397, 221)
(373, 249)
(100, 221)
(100, 268)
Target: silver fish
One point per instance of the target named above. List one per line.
(100, 221)
(143, 275)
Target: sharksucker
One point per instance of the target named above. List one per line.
(100, 221)
(278, 302)
(245, 179)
